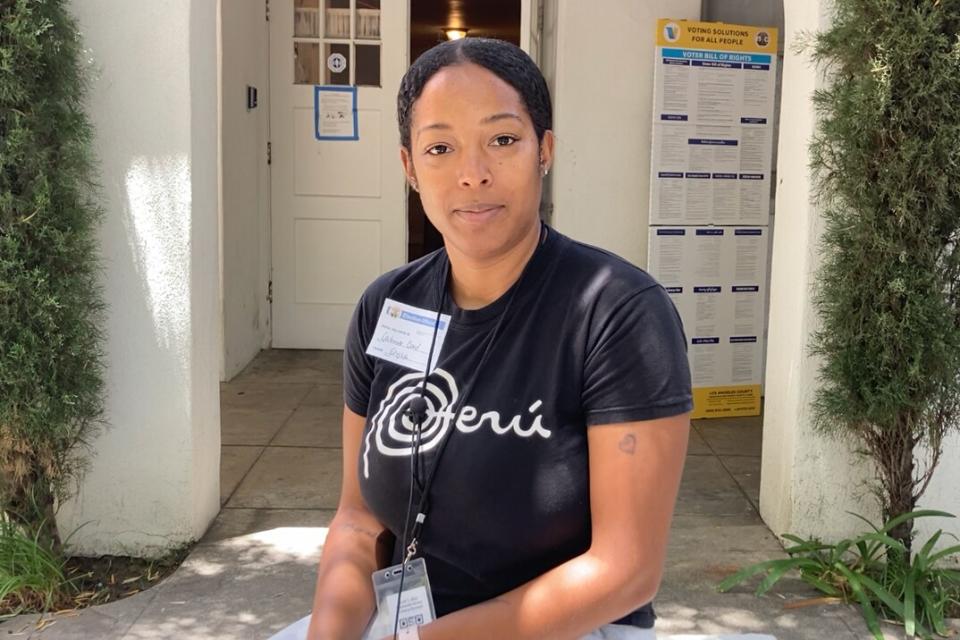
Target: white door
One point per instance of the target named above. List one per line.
(338, 207)
(531, 26)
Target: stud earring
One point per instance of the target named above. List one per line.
(413, 185)
(545, 170)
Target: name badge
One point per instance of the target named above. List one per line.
(404, 333)
(415, 603)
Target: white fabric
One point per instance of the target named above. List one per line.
(722, 636)
(621, 632)
(298, 631)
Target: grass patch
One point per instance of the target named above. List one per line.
(32, 577)
(35, 579)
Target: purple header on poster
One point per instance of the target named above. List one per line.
(717, 65)
(713, 141)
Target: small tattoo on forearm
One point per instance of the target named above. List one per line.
(628, 444)
(356, 529)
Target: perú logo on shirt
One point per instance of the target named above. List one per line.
(393, 431)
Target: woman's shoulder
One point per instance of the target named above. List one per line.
(601, 271)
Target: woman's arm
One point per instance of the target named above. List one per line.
(635, 471)
(344, 599)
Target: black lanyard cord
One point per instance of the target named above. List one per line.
(417, 415)
(410, 549)
(424, 504)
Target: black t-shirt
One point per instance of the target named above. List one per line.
(588, 339)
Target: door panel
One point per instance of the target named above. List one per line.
(531, 26)
(338, 207)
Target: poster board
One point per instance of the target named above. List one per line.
(714, 89)
(716, 277)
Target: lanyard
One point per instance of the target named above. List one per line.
(424, 504)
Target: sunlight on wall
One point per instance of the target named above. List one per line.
(158, 231)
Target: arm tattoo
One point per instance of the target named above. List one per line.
(628, 444)
(352, 527)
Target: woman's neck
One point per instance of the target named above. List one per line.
(476, 283)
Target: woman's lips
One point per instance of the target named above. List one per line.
(478, 212)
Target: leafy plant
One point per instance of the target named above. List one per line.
(32, 576)
(876, 571)
(51, 388)
(886, 163)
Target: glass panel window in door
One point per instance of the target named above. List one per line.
(306, 62)
(368, 20)
(336, 63)
(337, 17)
(368, 65)
(306, 18)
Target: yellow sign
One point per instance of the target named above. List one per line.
(718, 36)
(726, 402)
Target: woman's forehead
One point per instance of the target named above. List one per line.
(467, 91)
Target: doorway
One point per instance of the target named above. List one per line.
(428, 21)
(336, 184)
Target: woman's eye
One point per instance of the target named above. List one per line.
(438, 150)
(503, 141)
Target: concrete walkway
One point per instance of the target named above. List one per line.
(253, 572)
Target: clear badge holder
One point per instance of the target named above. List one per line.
(416, 605)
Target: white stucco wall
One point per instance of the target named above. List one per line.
(245, 203)
(808, 483)
(944, 495)
(603, 101)
(154, 481)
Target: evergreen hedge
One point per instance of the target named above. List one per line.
(51, 372)
(886, 158)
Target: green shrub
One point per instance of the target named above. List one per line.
(886, 158)
(877, 572)
(50, 303)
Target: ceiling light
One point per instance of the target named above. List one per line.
(455, 34)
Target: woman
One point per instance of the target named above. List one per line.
(556, 416)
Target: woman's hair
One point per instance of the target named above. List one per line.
(506, 61)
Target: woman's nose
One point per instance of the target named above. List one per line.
(474, 169)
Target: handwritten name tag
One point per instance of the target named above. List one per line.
(404, 333)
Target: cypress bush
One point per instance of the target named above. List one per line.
(886, 161)
(50, 302)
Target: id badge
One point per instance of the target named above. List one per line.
(416, 602)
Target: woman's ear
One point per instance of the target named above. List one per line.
(546, 151)
(408, 169)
